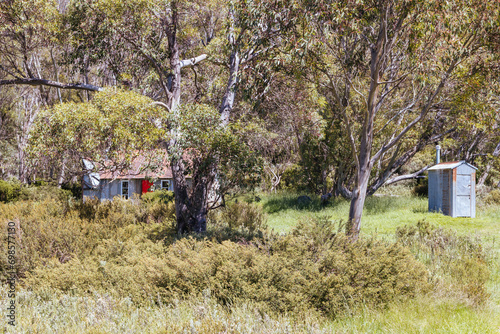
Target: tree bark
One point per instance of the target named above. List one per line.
(50, 83)
(60, 180)
(357, 204)
(364, 155)
(191, 205)
(173, 85)
(229, 95)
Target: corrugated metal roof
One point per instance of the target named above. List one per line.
(451, 165)
(139, 170)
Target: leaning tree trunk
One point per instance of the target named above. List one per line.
(357, 204)
(22, 166)
(181, 197)
(360, 189)
(228, 100)
(364, 163)
(190, 212)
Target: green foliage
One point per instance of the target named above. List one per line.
(45, 191)
(74, 187)
(10, 191)
(121, 248)
(299, 274)
(52, 225)
(112, 261)
(242, 215)
(293, 179)
(115, 126)
(158, 196)
(204, 141)
(457, 264)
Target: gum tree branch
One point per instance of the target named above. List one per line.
(50, 83)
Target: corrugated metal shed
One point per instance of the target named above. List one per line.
(452, 189)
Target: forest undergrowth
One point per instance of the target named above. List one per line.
(119, 267)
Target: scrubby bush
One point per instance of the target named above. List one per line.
(45, 230)
(10, 191)
(152, 209)
(75, 188)
(292, 179)
(313, 269)
(119, 248)
(457, 264)
(242, 215)
(62, 229)
(43, 192)
(493, 197)
(161, 195)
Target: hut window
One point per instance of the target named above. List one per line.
(125, 189)
(165, 184)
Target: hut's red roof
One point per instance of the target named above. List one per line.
(140, 170)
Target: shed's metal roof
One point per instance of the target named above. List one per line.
(451, 165)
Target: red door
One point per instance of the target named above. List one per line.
(146, 185)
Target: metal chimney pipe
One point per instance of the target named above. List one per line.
(438, 154)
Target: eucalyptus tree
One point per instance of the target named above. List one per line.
(386, 67)
(111, 130)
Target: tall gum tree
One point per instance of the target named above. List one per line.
(386, 66)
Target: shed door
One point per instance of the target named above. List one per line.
(463, 195)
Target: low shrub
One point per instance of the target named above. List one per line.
(43, 192)
(161, 195)
(63, 229)
(10, 191)
(75, 188)
(242, 215)
(119, 248)
(313, 269)
(293, 179)
(457, 264)
(44, 230)
(153, 209)
(493, 197)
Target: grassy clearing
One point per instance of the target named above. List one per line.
(382, 214)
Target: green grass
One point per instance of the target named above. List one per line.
(423, 315)
(382, 214)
